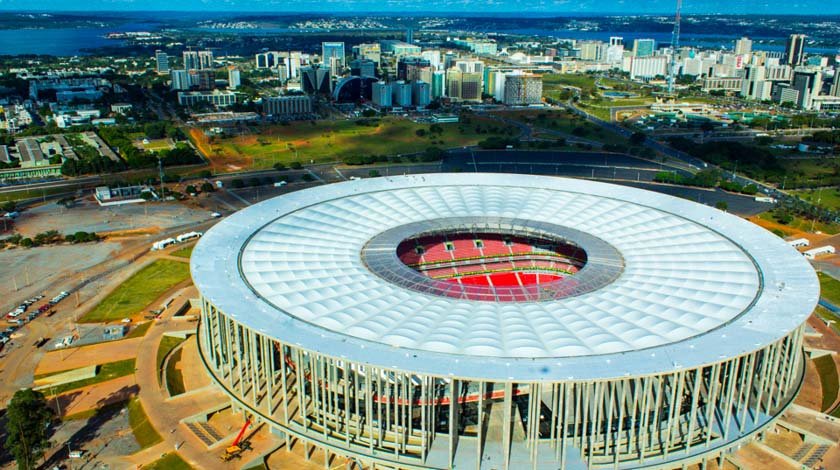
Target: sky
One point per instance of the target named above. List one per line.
(558, 7)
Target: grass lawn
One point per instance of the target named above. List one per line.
(798, 226)
(185, 252)
(138, 291)
(829, 379)
(139, 331)
(156, 145)
(144, 432)
(174, 378)
(328, 141)
(171, 461)
(104, 372)
(829, 288)
(167, 344)
(827, 197)
(565, 122)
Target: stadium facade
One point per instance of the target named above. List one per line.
(502, 321)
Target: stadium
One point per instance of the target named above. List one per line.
(502, 321)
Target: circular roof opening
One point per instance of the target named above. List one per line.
(492, 259)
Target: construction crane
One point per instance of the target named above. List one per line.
(675, 44)
(238, 446)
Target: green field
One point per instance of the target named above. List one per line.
(185, 252)
(171, 461)
(144, 432)
(104, 373)
(828, 377)
(156, 145)
(329, 141)
(829, 288)
(139, 291)
(139, 331)
(565, 122)
(828, 198)
(167, 344)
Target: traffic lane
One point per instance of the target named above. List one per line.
(463, 158)
(736, 203)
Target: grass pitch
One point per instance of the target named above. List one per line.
(138, 291)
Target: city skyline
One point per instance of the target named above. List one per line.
(548, 8)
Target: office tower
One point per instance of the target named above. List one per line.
(616, 41)
(433, 56)
(592, 50)
(743, 46)
(368, 51)
(399, 48)
(470, 65)
(191, 61)
(405, 62)
(162, 62)
(522, 89)
(835, 85)
(409, 36)
(205, 60)
(203, 79)
(363, 68)
(180, 80)
(401, 94)
(643, 47)
(336, 66)
(234, 78)
(438, 82)
(421, 94)
(795, 50)
(464, 86)
(332, 50)
(315, 79)
(286, 106)
(381, 94)
(808, 84)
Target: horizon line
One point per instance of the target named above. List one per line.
(411, 13)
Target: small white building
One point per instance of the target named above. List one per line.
(823, 250)
(799, 242)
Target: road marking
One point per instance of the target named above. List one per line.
(239, 197)
(341, 175)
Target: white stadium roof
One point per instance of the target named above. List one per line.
(690, 284)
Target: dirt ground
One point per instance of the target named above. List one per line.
(88, 216)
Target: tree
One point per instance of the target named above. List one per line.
(27, 421)
(295, 165)
(279, 166)
(207, 187)
(638, 138)
(190, 189)
(722, 205)
(373, 173)
(8, 206)
(237, 183)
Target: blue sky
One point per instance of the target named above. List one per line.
(440, 6)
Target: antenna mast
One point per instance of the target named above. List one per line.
(675, 44)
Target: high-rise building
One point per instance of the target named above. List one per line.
(433, 56)
(795, 50)
(522, 89)
(401, 94)
(363, 68)
(616, 41)
(202, 79)
(809, 84)
(743, 46)
(643, 47)
(399, 48)
(409, 36)
(315, 79)
(421, 94)
(287, 106)
(463, 86)
(162, 60)
(368, 51)
(835, 84)
(438, 84)
(592, 51)
(381, 94)
(330, 51)
(205, 60)
(191, 61)
(405, 62)
(179, 80)
(234, 79)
